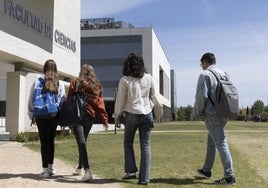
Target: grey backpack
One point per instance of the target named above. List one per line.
(226, 102)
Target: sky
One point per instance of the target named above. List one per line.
(236, 31)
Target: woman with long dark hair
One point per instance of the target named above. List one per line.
(88, 84)
(133, 101)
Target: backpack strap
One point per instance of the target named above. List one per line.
(42, 81)
(218, 79)
(215, 74)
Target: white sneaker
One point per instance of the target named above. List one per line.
(51, 169)
(45, 173)
(87, 176)
(78, 171)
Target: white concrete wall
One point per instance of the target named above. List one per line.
(15, 103)
(15, 47)
(22, 44)
(160, 60)
(67, 20)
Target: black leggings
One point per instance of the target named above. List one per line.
(81, 133)
(47, 132)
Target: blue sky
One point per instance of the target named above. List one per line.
(236, 31)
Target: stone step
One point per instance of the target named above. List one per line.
(4, 136)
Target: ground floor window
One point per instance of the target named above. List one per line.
(2, 108)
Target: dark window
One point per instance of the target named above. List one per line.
(161, 82)
(2, 108)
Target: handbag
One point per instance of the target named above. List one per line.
(74, 111)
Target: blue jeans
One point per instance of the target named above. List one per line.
(216, 139)
(81, 133)
(145, 124)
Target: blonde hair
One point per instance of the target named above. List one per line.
(87, 74)
(51, 76)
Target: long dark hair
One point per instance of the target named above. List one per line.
(51, 76)
(87, 74)
(134, 66)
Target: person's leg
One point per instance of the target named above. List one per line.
(52, 127)
(81, 142)
(145, 129)
(42, 132)
(129, 135)
(87, 127)
(215, 126)
(210, 156)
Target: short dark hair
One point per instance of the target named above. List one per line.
(134, 66)
(209, 57)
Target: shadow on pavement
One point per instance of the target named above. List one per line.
(57, 178)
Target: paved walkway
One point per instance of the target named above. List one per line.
(20, 166)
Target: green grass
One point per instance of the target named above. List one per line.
(175, 155)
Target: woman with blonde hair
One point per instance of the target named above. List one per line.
(88, 84)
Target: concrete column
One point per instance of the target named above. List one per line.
(15, 104)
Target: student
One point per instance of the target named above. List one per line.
(89, 85)
(215, 124)
(47, 126)
(135, 90)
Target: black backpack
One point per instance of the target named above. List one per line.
(226, 103)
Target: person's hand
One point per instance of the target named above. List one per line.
(106, 126)
(116, 122)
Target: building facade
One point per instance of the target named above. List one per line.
(31, 32)
(105, 44)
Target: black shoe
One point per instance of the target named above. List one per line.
(205, 174)
(128, 176)
(226, 181)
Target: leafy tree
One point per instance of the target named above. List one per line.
(266, 109)
(257, 107)
(184, 113)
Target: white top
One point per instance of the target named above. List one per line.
(134, 95)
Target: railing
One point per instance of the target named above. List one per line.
(113, 25)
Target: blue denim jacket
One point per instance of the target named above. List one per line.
(205, 92)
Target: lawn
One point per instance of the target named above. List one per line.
(178, 149)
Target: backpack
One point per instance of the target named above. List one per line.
(44, 102)
(226, 102)
(74, 111)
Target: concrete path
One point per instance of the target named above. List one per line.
(20, 166)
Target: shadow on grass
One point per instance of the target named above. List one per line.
(177, 181)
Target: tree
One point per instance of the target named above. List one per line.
(184, 113)
(257, 107)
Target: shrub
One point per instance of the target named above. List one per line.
(22, 137)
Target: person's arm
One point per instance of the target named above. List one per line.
(30, 100)
(200, 97)
(61, 97)
(120, 101)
